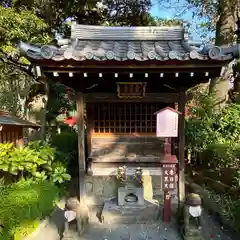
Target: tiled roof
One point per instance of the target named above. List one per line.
(152, 33)
(6, 119)
(126, 43)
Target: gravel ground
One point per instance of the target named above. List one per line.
(157, 230)
(213, 230)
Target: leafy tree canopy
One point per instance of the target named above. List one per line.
(15, 79)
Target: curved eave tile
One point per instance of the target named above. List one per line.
(124, 51)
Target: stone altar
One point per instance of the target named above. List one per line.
(130, 207)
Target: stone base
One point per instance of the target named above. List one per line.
(193, 234)
(113, 213)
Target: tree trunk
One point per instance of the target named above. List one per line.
(44, 111)
(224, 36)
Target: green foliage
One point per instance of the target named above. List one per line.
(23, 205)
(37, 161)
(58, 99)
(67, 143)
(200, 120)
(222, 155)
(227, 124)
(214, 134)
(15, 79)
(229, 207)
(60, 174)
(24, 25)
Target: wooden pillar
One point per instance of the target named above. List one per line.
(90, 130)
(81, 144)
(181, 146)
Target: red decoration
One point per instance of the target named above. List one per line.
(167, 207)
(71, 121)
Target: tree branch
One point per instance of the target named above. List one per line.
(9, 60)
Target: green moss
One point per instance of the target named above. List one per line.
(24, 205)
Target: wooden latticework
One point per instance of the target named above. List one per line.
(11, 134)
(125, 117)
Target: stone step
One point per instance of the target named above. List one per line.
(115, 214)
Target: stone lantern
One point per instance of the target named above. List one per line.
(192, 212)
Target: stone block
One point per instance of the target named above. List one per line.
(89, 186)
(109, 187)
(98, 184)
(157, 185)
(124, 191)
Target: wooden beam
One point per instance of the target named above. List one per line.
(181, 146)
(81, 144)
(149, 97)
(70, 63)
(125, 70)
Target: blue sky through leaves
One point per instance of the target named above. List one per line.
(169, 11)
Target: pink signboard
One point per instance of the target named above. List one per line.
(167, 122)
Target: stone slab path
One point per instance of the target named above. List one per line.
(154, 231)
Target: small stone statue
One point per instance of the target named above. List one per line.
(192, 215)
(81, 215)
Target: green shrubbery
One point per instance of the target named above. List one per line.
(213, 135)
(213, 138)
(37, 161)
(67, 143)
(23, 205)
(36, 173)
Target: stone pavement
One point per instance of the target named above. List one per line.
(108, 231)
(97, 231)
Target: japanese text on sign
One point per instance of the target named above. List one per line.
(169, 173)
(167, 122)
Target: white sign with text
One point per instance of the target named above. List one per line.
(167, 122)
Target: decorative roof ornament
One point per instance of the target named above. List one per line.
(131, 55)
(151, 55)
(193, 54)
(110, 55)
(46, 52)
(172, 55)
(214, 52)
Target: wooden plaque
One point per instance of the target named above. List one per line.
(131, 89)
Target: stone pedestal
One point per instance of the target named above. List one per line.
(192, 233)
(124, 191)
(127, 214)
(190, 229)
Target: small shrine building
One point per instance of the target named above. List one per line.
(123, 75)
